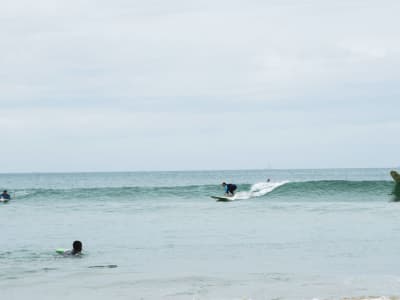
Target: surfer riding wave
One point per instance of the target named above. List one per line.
(256, 190)
(230, 189)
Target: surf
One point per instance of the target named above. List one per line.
(274, 190)
(258, 189)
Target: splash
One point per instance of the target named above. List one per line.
(258, 189)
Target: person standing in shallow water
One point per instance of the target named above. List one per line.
(229, 188)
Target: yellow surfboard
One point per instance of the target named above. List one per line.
(395, 175)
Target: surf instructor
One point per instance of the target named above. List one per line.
(229, 188)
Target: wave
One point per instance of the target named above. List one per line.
(335, 187)
(116, 192)
(311, 190)
(270, 190)
(259, 189)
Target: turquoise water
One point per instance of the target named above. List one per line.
(307, 234)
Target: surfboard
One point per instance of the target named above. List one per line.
(395, 175)
(224, 199)
(67, 252)
(4, 200)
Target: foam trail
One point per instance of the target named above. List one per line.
(17, 194)
(258, 189)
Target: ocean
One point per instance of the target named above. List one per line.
(306, 234)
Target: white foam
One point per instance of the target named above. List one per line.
(258, 189)
(21, 193)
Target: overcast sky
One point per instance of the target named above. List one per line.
(125, 85)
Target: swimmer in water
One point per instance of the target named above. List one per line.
(76, 249)
(5, 196)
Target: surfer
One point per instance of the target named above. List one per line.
(5, 195)
(229, 188)
(76, 249)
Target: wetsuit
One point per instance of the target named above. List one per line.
(230, 188)
(5, 196)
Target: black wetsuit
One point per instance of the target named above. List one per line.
(5, 196)
(230, 188)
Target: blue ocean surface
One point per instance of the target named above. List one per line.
(305, 234)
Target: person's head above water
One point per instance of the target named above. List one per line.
(76, 247)
(5, 192)
(223, 184)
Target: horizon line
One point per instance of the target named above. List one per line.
(192, 170)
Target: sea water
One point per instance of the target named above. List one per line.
(306, 234)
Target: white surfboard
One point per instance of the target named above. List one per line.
(224, 199)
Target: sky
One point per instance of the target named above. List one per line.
(128, 85)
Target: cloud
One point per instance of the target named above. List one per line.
(186, 79)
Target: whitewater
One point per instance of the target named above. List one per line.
(306, 234)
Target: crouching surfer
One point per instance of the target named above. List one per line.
(230, 188)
